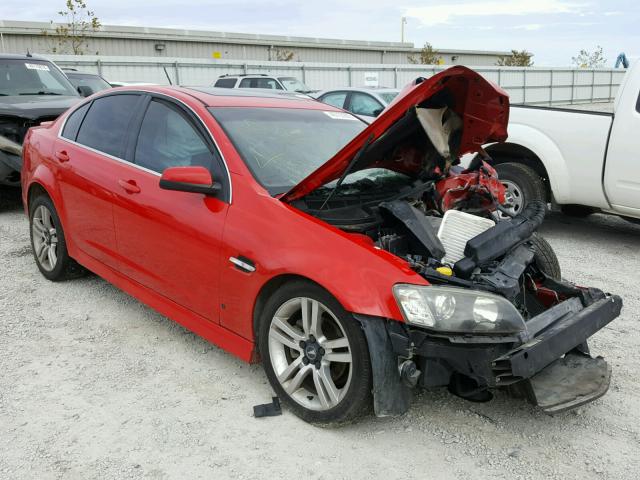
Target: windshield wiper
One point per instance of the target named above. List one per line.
(39, 93)
(346, 172)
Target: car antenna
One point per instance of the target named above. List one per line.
(167, 74)
(353, 161)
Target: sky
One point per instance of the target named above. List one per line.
(553, 30)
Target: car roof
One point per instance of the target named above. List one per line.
(238, 97)
(70, 73)
(17, 56)
(362, 89)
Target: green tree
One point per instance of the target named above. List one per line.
(427, 56)
(590, 60)
(70, 35)
(517, 58)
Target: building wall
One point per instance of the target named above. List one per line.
(18, 37)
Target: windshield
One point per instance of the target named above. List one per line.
(94, 82)
(293, 84)
(282, 146)
(32, 77)
(388, 96)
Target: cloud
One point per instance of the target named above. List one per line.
(443, 13)
(529, 26)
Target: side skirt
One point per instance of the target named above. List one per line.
(212, 332)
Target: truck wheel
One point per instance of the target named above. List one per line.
(545, 257)
(577, 210)
(522, 183)
(315, 354)
(48, 242)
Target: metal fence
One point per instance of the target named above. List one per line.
(530, 85)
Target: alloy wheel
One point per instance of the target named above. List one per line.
(45, 238)
(310, 353)
(514, 198)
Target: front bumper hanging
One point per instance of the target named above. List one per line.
(550, 365)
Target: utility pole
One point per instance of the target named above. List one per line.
(403, 22)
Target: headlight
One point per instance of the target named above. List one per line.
(456, 310)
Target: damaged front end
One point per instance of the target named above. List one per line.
(495, 313)
(12, 132)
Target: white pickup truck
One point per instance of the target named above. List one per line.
(583, 161)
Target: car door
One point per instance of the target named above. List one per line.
(169, 241)
(89, 151)
(622, 174)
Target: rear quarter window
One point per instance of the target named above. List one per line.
(72, 125)
(106, 124)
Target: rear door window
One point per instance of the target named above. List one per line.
(268, 83)
(336, 99)
(106, 124)
(225, 83)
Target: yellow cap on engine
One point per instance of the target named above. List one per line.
(445, 271)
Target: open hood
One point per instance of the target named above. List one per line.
(458, 110)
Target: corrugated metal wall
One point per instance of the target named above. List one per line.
(123, 46)
(525, 85)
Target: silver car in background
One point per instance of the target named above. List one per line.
(365, 102)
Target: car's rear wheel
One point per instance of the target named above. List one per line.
(48, 241)
(315, 354)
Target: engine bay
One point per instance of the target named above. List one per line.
(450, 224)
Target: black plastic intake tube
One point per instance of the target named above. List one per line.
(500, 239)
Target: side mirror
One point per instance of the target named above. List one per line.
(189, 179)
(85, 90)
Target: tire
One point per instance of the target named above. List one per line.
(545, 258)
(48, 242)
(304, 354)
(577, 210)
(523, 184)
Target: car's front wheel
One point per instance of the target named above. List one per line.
(315, 354)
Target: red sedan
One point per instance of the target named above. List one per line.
(355, 261)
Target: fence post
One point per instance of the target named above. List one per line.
(349, 74)
(593, 81)
(245, 67)
(500, 77)
(395, 77)
(573, 85)
(304, 74)
(99, 65)
(177, 70)
(524, 86)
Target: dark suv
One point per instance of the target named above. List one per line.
(32, 90)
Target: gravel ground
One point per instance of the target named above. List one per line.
(96, 385)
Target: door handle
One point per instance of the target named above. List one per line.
(62, 156)
(129, 186)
